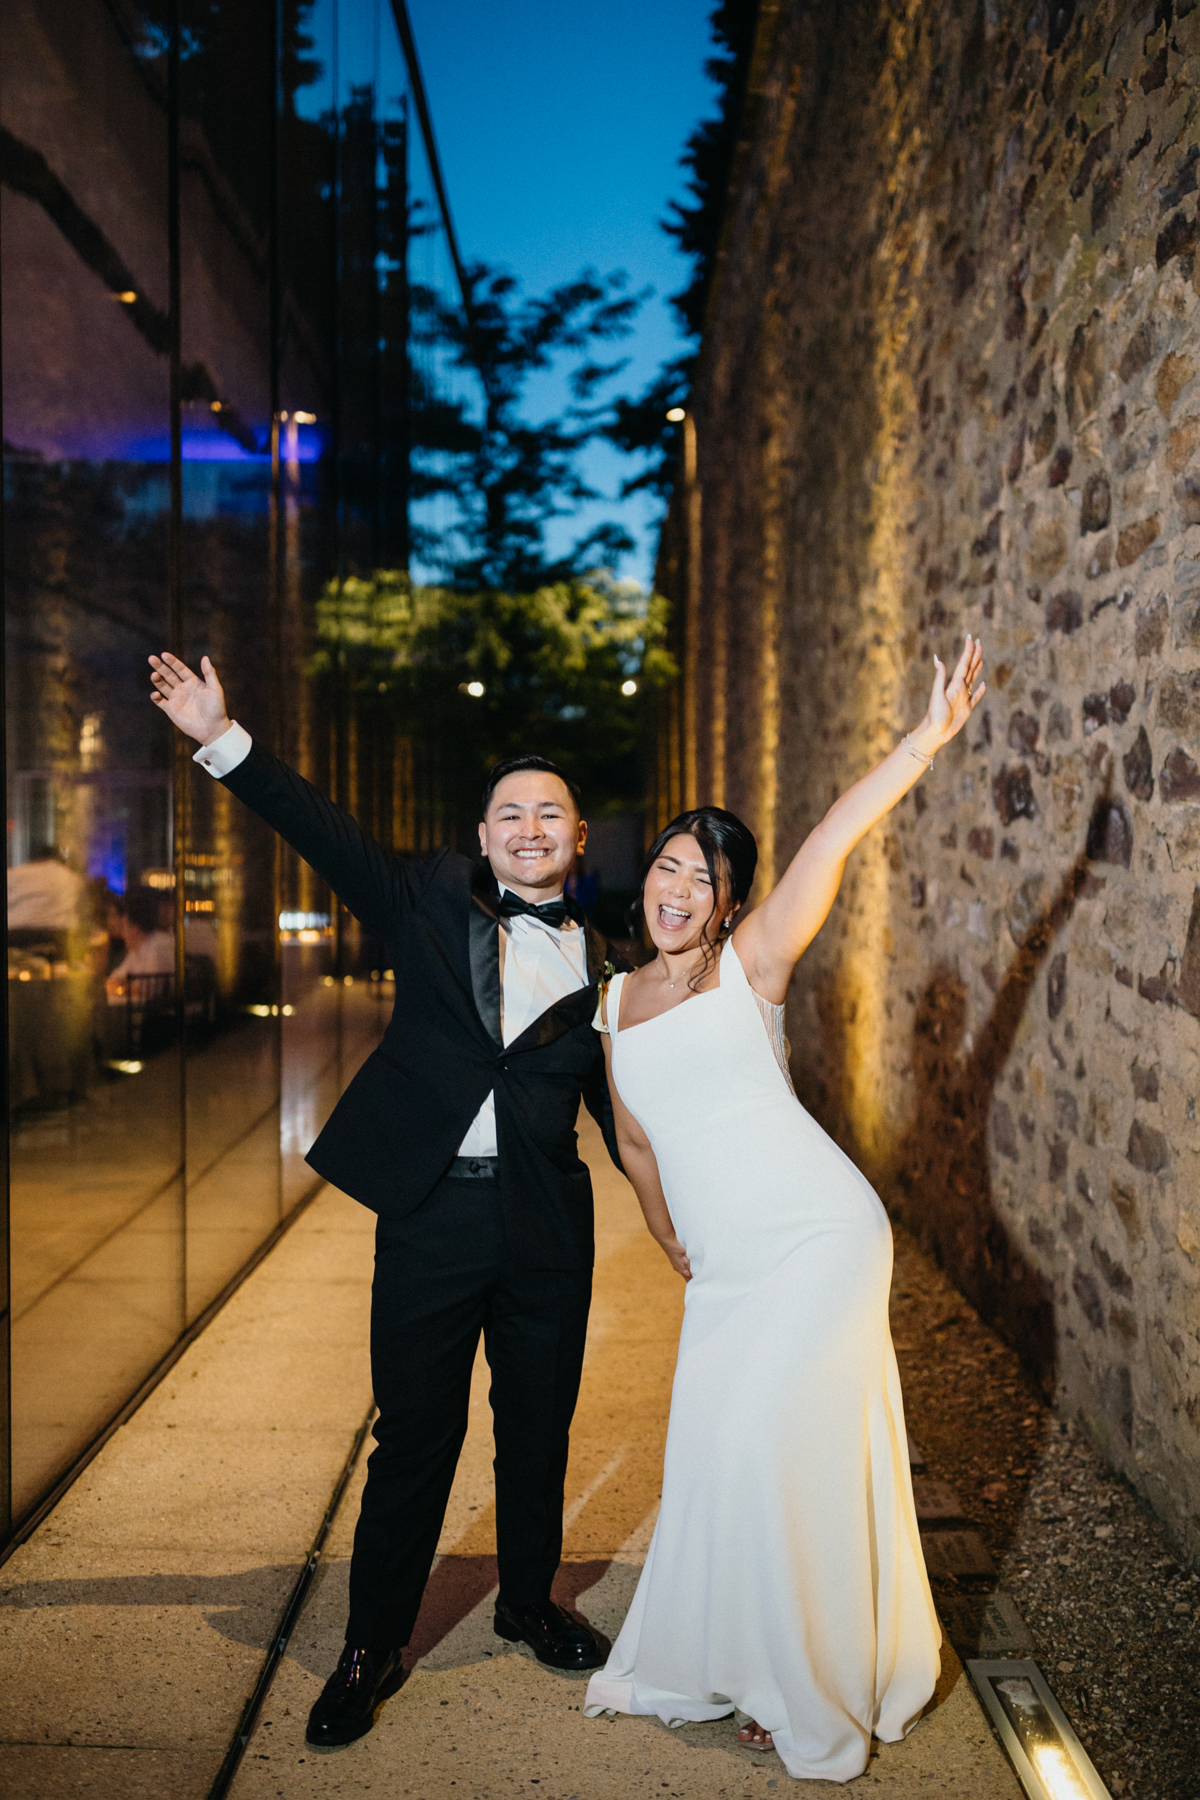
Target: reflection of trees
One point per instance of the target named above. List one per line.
(510, 478)
(85, 589)
(227, 59)
(85, 579)
(551, 663)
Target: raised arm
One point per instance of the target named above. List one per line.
(371, 882)
(776, 934)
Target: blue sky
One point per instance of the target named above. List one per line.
(560, 125)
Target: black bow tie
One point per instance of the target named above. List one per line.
(552, 912)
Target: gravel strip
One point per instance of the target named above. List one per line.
(1112, 1610)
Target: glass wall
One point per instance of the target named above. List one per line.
(206, 211)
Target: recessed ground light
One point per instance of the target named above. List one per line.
(1049, 1760)
(676, 416)
(127, 296)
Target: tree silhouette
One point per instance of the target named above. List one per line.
(511, 477)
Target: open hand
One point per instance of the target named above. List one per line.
(952, 702)
(195, 703)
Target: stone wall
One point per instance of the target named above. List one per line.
(948, 384)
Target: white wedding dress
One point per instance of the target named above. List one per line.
(785, 1578)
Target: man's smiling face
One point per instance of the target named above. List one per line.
(532, 833)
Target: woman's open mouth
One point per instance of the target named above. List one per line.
(673, 918)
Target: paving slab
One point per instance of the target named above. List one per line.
(119, 1648)
(134, 1623)
(83, 1772)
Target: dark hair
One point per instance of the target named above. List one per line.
(730, 855)
(516, 765)
(141, 907)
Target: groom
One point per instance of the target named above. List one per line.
(458, 1131)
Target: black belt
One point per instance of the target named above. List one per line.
(473, 1168)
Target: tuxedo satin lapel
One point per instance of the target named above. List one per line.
(573, 1009)
(483, 929)
(597, 950)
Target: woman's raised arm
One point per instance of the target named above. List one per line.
(776, 934)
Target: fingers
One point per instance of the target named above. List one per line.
(938, 703)
(966, 675)
(171, 671)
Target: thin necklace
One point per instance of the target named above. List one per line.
(658, 959)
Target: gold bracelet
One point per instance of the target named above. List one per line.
(919, 754)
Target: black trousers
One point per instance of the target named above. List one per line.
(441, 1277)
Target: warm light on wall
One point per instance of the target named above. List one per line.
(127, 296)
(876, 1095)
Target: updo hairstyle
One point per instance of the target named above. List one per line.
(731, 857)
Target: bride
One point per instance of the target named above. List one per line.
(784, 1581)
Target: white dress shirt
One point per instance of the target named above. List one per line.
(44, 896)
(539, 963)
(225, 753)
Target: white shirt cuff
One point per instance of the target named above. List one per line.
(225, 753)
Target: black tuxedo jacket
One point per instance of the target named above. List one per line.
(395, 1130)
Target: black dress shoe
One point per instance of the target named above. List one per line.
(346, 1709)
(551, 1633)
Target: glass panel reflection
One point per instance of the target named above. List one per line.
(226, 101)
(97, 1241)
(149, 1028)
